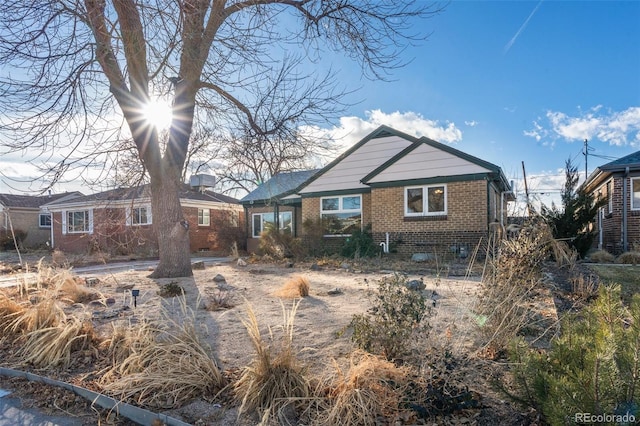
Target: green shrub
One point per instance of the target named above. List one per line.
(629, 258)
(396, 314)
(360, 244)
(593, 367)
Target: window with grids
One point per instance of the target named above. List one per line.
(44, 220)
(635, 193)
(204, 217)
(341, 215)
(140, 215)
(78, 221)
(428, 200)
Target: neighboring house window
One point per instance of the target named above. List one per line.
(79, 221)
(264, 221)
(609, 197)
(341, 215)
(204, 217)
(635, 193)
(45, 220)
(137, 216)
(430, 200)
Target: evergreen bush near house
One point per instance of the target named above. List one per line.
(593, 367)
(360, 244)
(7, 241)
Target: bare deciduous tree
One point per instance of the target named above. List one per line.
(76, 71)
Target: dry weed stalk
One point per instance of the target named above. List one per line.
(164, 364)
(275, 378)
(511, 279)
(297, 286)
(45, 313)
(9, 310)
(69, 287)
(372, 388)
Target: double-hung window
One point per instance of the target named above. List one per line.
(341, 215)
(204, 217)
(635, 193)
(609, 197)
(265, 221)
(139, 215)
(44, 220)
(428, 200)
(78, 222)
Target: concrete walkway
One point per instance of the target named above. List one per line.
(107, 268)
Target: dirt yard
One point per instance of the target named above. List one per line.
(220, 294)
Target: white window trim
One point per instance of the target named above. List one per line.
(425, 202)
(253, 223)
(65, 229)
(636, 208)
(129, 215)
(341, 209)
(40, 225)
(208, 217)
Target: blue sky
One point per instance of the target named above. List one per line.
(508, 81)
(519, 81)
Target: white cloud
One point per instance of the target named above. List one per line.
(353, 129)
(471, 123)
(614, 128)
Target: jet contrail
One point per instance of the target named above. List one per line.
(522, 27)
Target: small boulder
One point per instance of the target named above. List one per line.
(316, 267)
(219, 279)
(421, 257)
(241, 262)
(334, 292)
(415, 285)
(91, 281)
(198, 265)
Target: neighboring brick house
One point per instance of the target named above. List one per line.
(417, 194)
(618, 223)
(275, 203)
(23, 214)
(120, 221)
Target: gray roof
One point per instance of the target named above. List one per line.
(631, 160)
(280, 185)
(34, 201)
(144, 191)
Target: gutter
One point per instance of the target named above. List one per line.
(625, 196)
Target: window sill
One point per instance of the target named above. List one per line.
(425, 218)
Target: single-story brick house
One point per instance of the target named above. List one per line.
(275, 203)
(23, 215)
(120, 221)
(416, 193)
(618, 223)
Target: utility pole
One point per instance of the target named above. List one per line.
(586, 158)
(526, 189)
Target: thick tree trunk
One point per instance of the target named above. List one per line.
(171, 228)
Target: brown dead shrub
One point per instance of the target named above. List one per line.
(629, 258)
(297, 286)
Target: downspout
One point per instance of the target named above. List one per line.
(600, 236)
(625, 194)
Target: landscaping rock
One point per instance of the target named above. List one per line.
(422, 257)
(316, 267)
(415, 285)
(198, 265)
(91, 281)
(219, 279)
(241, 262)
(334, 292)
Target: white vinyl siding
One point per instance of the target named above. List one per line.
(426, 162)
(428, 200)
(347, 173)
(341, 215)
